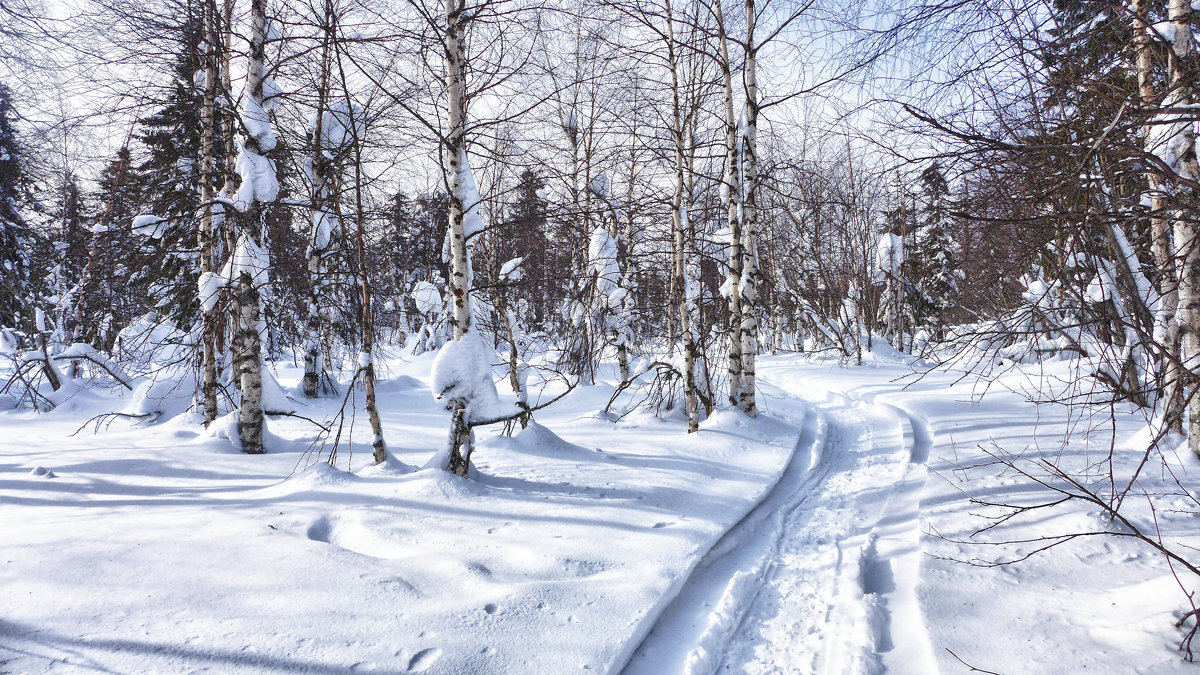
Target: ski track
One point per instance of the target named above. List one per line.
(819, 576)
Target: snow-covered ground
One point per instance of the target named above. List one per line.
(815, 539)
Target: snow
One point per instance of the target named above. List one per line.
(472, 222)
(259, 183)
(462, 370)
(324, 224)
(511, 270)
(8, 342)
(602, 258)
(209, 289)
(336, 121)
(889, 255)
(818, 538)
(250, 258)
(272, 93)
(149, 225)
(258, 123)
(165, 394)
(428, 298)
(1163, 30)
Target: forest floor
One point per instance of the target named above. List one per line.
(826, 536)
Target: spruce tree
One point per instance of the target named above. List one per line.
(543, 264)
(16, 290)
(169, 177)
(108, 297)
(934, 259)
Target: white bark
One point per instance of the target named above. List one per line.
(320, 238)
(460, 273)
(682, 239)
(1186, 239)
(731, 193)
(207, 239)
(1161, 246)
(750, 271)
(249, 346)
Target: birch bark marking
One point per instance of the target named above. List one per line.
(679, 227)
(750, 272)
(207, 240)
(459, 276)
(460, 438)
(1160, 232)
(321, 234)
(732, 190)
(1182, 142)
(249, 346)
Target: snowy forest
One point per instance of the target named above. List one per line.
(655, 336)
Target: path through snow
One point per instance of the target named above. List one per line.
(812, 580)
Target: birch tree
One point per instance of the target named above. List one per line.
(208, 242)
(352, 131)
(250, 264)
(680, 227)
(731, 195)
(1179, 152)
(453, 157)
(323, 220)
(750, 276)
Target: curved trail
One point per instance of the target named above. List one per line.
(819, 576)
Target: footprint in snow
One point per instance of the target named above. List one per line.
(422, 660)
(480, 569)
(490, 608)
(659, 526)
(320, 531)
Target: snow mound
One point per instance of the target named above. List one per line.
(165, 394)
(398, 383)
(539, 441)
(434, 485)
(318, 476)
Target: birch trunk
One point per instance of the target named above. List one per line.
(366, 365)
(750, 272)
(460, 275)
(249, 345)
(366, 326)
(679, 226)
(320, 238)
(207, 240)
(1160, 230)
(620, 333)
(733, 282)
(514, 357)
(229, 228)
(1182, 140)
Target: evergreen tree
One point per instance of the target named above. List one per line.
(168, 178)
(934, 255)
(15, 237)
(410, 250)
(110, 294)
(68, 252)
(543, 265)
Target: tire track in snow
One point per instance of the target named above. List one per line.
(882, 606)
(692, 632)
